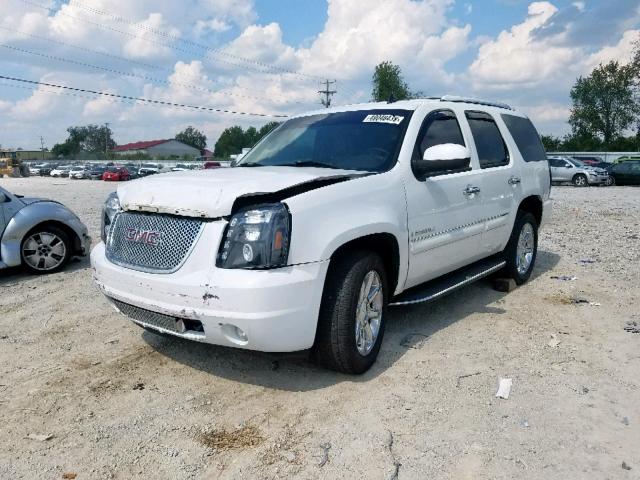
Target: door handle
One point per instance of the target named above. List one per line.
(514, 180)
(471, 190)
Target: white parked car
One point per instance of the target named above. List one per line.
(79, 172)
(35, 169)
(150, 169)
(61, 171)
(345, 212)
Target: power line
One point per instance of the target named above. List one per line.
(141, 99)
(326, 101)
(175, 38)
(256, 64)
(134, 75)
(133, 62)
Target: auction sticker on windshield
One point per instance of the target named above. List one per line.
(393, 119)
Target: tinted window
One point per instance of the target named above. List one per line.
(526, 137)
(555, 163)
(492, 151)
(438, 128)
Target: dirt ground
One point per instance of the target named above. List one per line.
(84, 391)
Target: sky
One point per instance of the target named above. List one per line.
(265, 59)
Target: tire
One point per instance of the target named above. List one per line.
(48, 255)
(580, 180)
(610, 182)
(514, 258)
(336, 344)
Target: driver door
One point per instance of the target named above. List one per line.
(444, 211)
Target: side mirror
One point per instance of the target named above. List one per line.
(443, 159)
(3, 197)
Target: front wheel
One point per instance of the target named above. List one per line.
(46, 249)
(352, 313)
(610, 181)
(522, 248)
(580, 180)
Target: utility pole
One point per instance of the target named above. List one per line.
(106, 138)
(42, 146)
(326, 101)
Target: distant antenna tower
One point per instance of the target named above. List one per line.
(326, 99)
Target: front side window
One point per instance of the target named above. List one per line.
(366, 140)
(526, 137)
(439, 127)
(492, 151)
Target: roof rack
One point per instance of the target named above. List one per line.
(477, 101)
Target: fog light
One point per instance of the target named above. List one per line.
(235, 334)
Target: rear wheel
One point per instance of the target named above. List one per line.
(580, 180)
(46, 249)
(522, 249)
(352, 313)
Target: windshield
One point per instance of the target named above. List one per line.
(367, 140)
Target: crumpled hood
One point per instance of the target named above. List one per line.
(211, 193)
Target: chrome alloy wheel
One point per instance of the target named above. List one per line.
(580, 181)
(369, 313)
(526, 246)
(44, 251)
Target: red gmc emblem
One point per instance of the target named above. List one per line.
(147, 237)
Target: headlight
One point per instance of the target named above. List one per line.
(109, 210)
(256, 237)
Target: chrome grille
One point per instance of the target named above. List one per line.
(174, 239)
(147, 316)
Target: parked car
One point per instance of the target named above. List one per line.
(35, 169)
(97, 172)
(132, 168)
(61, 171)
(150, 169)
(116, 174)
(79, 172)
(626, 173)
(588, 160)
(209, 165)
(40, 234)
(571, 170)
(353, 209)
(624, 158)
(45, 171)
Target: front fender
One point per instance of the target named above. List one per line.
(326, 218)
(30, 216)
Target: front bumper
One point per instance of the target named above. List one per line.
(598, 179)
(276, 309)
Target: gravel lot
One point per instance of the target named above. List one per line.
(83, 391)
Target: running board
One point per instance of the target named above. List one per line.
(438, 287)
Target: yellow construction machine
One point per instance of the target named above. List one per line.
(11, 166)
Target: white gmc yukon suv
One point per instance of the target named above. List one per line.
(330, 219)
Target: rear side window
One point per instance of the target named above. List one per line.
(438, 128)
(526, 138)
(492, 151)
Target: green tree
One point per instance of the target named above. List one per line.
(551, 143)
(234, 139)
(89, 138)
(231, 142)
(267, 128)
(193, 137)
(388, 83)
(604, 104)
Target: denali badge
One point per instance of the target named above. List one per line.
(148, 237)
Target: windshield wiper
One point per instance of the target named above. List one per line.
(309, 163)
(251, 164)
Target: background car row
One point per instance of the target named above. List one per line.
(108, 171)
(586, 171)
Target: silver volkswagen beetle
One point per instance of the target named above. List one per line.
(38, 233)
